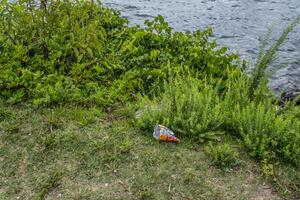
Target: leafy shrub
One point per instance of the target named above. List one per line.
(152, 53)
(79, 51)
(289, 140)
(57, 54)
(268, 135)
(258, 128)
(223, 156)
(186, 109)
(290, 111)
(201, 111)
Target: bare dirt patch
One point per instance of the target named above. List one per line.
(266, 192)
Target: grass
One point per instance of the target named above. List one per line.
(83, 153)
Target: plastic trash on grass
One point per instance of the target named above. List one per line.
(164, 134)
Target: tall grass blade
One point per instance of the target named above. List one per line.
(265, 58)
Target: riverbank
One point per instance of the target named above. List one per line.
(81, 92)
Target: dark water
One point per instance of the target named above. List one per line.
(238, 24)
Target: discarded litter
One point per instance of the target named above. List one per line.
(164, 134)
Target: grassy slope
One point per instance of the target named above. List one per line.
(79, 153)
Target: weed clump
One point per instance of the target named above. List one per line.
(200, 111)
(223, 156)
(185, 109)
(47, 184)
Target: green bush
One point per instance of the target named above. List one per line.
(223, 156)
(189, 107)
(201, 111)
(79, 51)
(267, 135)
(57, 54)
(258, 127)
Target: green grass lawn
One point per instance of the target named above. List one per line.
(83, 153)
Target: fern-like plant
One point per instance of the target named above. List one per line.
(266, 57)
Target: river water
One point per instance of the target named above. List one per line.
(238, 24)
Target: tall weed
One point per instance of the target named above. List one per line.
(266, 57)
(189, 107)
(200, 111)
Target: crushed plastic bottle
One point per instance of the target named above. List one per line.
(164, 134)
